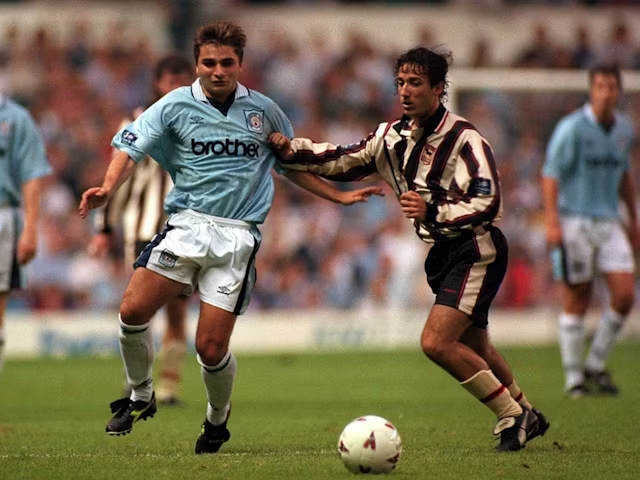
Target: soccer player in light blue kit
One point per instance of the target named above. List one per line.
(23, 165)
(212, 139)
(586, 173)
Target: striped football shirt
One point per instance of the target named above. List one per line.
(446, 161)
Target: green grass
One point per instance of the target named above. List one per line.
(288, 411)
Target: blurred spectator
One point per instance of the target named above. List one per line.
(583, 54)
(620, 48)
(539, 53)
(77, 88)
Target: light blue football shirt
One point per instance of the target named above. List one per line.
(588, 163)
(22, 152)
(220, 164)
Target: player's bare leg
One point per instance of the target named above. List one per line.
(441, 342)
(173, 351)
(621, 288)
(218, 370)
(146, 292)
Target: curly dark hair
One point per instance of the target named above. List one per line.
(427, 62)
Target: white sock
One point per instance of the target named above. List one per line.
(571, 337)
(136, 347)
(1, 348)
(218, 382)
(605, 338)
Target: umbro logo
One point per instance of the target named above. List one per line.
(224, 290)
(196, 120)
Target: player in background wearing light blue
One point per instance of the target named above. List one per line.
(212, 139)
(23, 165)
(585, 175)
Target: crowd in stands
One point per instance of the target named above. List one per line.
(314, 253)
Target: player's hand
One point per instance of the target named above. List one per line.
(92, 198)
(360, 195)
(282, 145)
(26, 247)
(100, 245)
(413, 205)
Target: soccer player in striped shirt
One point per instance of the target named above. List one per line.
(587, 172)
(23, 165)
(212, 139)
(139, 204)
(444, 176)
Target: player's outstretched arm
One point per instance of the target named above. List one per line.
(325, 190)
(120, 169)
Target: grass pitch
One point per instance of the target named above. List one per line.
(288, 411)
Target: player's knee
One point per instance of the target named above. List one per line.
(210, 351)
(432, 348)
(132, 314)
(623, 302)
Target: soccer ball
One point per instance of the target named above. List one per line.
(370, 444)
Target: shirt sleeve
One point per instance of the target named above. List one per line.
(340, 163)
(144, 135)
(561, 151)
(474, 197)
(29, 151)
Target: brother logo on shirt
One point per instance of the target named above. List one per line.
(226, 147)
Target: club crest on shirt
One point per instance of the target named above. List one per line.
(255, 120)
(426, 156)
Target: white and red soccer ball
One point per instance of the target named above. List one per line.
(370, 444)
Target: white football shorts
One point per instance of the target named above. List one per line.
(11, 275)
(591, 246)
(215, 255)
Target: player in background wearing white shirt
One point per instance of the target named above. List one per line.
(212, 138)
(138, 204)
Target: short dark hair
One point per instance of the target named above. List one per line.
(174, 62)
(606, 69)
(427, 62)
(220, 33)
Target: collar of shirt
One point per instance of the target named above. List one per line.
(429, 126)
(588, 112)
(198, 91)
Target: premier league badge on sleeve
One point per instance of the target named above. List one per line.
(129, 138)
(255, 120)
